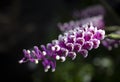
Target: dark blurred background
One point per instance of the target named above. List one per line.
(25, 23)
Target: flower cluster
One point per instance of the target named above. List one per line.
(80, 40)
(96, 20)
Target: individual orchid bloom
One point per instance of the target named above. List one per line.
(79, 40)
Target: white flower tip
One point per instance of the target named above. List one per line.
(57, 57)
(48, 45)
(85, 55)
(65, 39)
(44, 53)
(53, 48)
(63, 59)
(53, 70)
(59, 37)
(74, 56)
(21, 61)
(36, 61)
(46, 70)
(56, 48)
(73, 37)
(48, 67)
(66, 52)
(28, 51)
(66, 34)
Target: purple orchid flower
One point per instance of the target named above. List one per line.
(79, 40)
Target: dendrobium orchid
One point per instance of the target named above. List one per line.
(80, 40)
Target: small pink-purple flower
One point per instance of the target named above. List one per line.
(80, 40)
